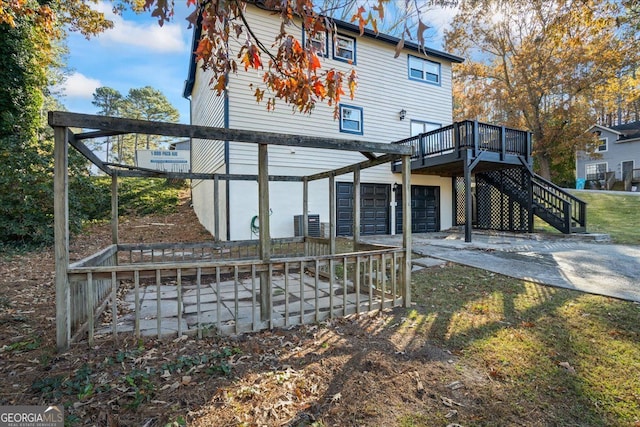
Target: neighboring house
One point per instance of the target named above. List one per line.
(395, 99)
(616, 158)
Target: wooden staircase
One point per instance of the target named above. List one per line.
(558, 208)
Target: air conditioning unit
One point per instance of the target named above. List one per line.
(313, 225)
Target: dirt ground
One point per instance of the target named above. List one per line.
(370, 370)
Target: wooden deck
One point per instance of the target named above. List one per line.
(171, 290)
(444, 151)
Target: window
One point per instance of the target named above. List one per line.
(424, 70)
(431, 144)
(344, 48)
(418, 127)
(351, 119)
(595, 171)
(602, 146)
(319, 42)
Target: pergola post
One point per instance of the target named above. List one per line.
(114, 208)
(332, 214)
(356, 207)
(265, 234)
(406, 227)
(305, 215)
(216, 208)
(61, 236)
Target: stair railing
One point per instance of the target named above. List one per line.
(568, 209)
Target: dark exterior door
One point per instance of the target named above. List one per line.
(627, 170)
(374, 208)
(425, 209)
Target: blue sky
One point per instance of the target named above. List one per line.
(137, 52)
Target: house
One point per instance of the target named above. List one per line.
(406, 100)
(416, 84)
(615, 158)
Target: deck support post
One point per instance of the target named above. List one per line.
(61, 236)
(468, 200)
(265, 235)
(114, 208)
(356, 208)
(406, 228)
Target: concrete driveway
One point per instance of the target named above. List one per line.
(580, 262)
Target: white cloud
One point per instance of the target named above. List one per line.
(79, 86)
(148, 35)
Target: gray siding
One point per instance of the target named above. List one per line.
(617, 152)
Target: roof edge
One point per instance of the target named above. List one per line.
(345, 26)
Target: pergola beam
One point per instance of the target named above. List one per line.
(351, 168)
(116, 124)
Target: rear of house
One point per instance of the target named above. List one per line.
(396, 98)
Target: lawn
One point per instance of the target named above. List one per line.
(474, 349)
(613, 214)
(569, 358)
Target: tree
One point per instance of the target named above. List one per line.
(144, 103)
(30, 35)
(109, 102)
(536, 64)
(148, 103)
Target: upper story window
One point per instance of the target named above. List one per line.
(424, 70)
(603, 145)
(344, 48)
(319, 42)
(351, 119)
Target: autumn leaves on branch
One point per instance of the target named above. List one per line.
(293, 71)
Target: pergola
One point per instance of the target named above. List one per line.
(95, 270)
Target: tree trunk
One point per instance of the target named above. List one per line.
(545, 167)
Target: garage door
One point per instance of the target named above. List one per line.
(425, 209)
(374, 208)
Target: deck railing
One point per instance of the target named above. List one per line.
(181, 292)
(558, 207)
(469, 135)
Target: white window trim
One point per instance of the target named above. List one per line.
(360, 111)
(335, 48)
(603, 141)
(594, 164)
(424, 73)
(322, 35)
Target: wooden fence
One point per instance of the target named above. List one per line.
(176, 289)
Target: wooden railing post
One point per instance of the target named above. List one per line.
(476, 137)
(503, 143)
(456, 138)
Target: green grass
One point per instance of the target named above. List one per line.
(565, 357)
(613, 214)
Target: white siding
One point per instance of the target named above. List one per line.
(207, 156)
(384, 89)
